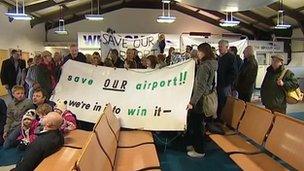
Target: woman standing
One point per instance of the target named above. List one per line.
(202, 86)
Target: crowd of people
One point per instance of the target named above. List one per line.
(33, 123)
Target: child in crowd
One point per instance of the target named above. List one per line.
(48, 142)
(28, 126)
(69, 119)
(41, 111)
(15, 111)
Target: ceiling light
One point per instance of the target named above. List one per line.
(61, 26)
(229, 22)
(61, 32)
(17, 15)
(280, 19)
(166, 1)
(166, 18)
(94, 17)
(282, 26)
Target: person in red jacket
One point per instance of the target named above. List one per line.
(69, 119)
(28, 126)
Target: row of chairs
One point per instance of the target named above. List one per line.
(106, 148)
(259, 139)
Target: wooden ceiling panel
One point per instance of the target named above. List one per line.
(294, 3)
(265, 12)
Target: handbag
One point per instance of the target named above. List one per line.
(294, 96)
(210, 104)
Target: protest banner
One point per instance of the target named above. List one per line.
(142, 99)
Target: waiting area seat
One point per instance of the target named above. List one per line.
(232, 114)
(93, 158)
(64, 159)
(130, 138)
(285, 141)
(256, 162)
(128, 158)
(76, 138)
(100, 150)
(254, 125)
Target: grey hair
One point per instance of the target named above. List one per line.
(223, 42)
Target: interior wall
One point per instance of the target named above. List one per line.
(19, 34)
(129, 20)
(297, 46)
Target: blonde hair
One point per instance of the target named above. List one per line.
(17, 87)
(44, 109)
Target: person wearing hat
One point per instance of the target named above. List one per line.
(23, 135)
(69, 119)
(273, 89)
(28, 126)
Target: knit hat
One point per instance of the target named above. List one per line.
(61, 105)
(30, 114)
(278, 56)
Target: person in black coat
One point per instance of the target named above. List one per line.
(75, 55)
(226, 74)
(3, 110)
(233, 50)
(117, 61)
(11, 71)
(49, 140)
(247, 75)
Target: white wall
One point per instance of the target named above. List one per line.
(136, 21)
(297, 46)
(19, 34)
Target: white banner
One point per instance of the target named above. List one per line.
(195, 41)
(90, 41)
(267, 46)
(146, 45)
(142, 99)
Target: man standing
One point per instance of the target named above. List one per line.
(233, 50)
(247, 75)
(11, 71)
(226, 74)
(273, 88)
(75, 55)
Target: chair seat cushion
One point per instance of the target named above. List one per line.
(256, 162)
(233, 143)
(134, 138)
(136, 158)
(76, 138)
